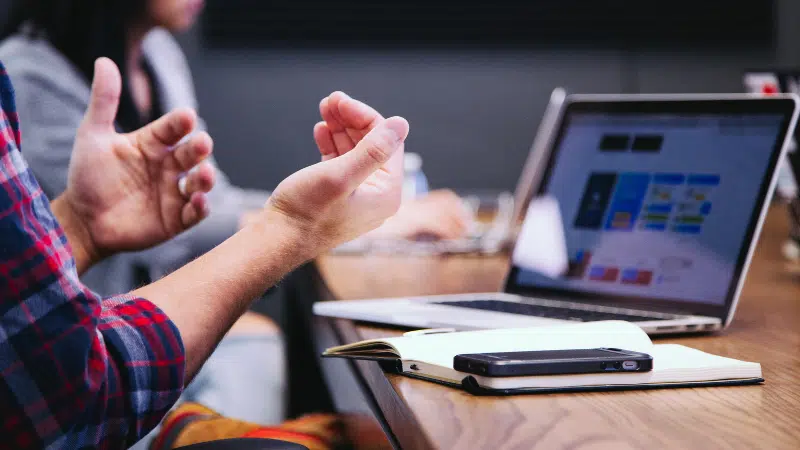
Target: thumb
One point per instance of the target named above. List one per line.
(106, 90)
(374, 151)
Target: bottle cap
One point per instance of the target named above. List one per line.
(412, 162)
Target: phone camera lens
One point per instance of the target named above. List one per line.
(618, 366)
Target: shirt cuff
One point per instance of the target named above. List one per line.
(149, 355)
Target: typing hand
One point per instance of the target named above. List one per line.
(358, 184)
(123, 189)
(440, 214)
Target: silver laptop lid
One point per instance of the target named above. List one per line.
(534, 166)
(662, 198)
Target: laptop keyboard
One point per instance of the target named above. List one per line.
(550, 312)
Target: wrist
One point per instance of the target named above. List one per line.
(84, 250)
(297, 241)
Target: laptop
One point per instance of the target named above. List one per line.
(662, 198)
(497, 234)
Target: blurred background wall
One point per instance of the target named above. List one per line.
(473, 112)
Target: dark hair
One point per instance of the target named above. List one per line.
(84, 30)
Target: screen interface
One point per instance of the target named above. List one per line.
(657, 206)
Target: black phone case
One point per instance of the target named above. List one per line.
(563, 366)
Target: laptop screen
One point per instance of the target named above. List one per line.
(658, 205)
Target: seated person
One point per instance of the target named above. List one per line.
(49, 50)
(80, 371)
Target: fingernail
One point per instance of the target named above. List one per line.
(399, 126)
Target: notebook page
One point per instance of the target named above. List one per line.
(440, 349)
(672, 363)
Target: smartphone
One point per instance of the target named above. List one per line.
(553, 362)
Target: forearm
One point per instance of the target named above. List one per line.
(205, 297)
(79, 238)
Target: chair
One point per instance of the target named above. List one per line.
(244, 444)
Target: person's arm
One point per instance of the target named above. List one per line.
(79, 372)
(350, 192)
(205, 297)
(84, 251)
(311, 211)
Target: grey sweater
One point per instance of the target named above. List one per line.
(52, 97)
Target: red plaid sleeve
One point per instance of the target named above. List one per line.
(76, 371)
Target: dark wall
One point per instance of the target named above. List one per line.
(473, 114)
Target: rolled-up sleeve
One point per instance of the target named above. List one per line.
(76, 371)
(147, 350)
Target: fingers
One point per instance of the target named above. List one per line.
(453, 227)
(439, 214)
(106, 90)
(165, 132)
(326, 112)
(349, 120)
(200, 180)
(195, 210)
(438, 230)
(329, 108)
(196, 185)
(355, 114)
(383, 145)
(324, 139)
(194, 151)
(449, 201)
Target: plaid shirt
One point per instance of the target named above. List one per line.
(75, 370)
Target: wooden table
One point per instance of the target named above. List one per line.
(420, 415)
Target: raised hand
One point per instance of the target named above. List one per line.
(440, 215)
(345, 122)
(358, 184)
(123, 189)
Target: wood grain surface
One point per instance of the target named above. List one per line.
(425, 415)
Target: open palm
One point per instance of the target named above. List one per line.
(125, 187)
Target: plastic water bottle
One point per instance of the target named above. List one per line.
(415, 183)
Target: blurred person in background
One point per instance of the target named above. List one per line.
(49, 48)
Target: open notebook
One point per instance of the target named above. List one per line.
(430, 357)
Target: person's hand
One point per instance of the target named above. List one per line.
(438, 215)
(358, 184)
(249, 218)
(345, 122)
(123, 189)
